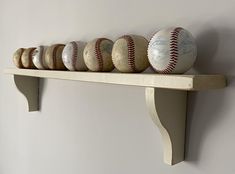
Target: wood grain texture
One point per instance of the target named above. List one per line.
(180, 82)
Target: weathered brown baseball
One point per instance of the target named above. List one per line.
(17, 57)
(129, 53)
(53, 57)
(97, 55)
(26, 58)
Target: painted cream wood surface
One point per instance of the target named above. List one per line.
(167, 109)
(181, 82)
(166, 97)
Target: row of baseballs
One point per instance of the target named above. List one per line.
(171, 50)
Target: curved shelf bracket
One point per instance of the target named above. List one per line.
(167, 108)
(29, 87)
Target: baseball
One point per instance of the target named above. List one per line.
(53, 57)
(17, 57)
(97, 55)
(129, 53)
(38, 57)
(26, 58)
(172, 50)
(72, 56)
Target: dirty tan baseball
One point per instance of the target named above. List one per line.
(97, 55)
(17, 57)
(129, 53)
(53, 57)
(26, 58)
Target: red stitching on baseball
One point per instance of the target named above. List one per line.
(98, 53)
(131, 52)
(174, 51)
(74, 55)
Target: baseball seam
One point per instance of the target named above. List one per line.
(131, 52)
(98, 53)
(75, 54)
(174, 52)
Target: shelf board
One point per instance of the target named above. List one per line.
(179, 82)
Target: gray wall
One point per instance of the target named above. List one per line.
(105, 129)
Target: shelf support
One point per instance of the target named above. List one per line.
(29, 87)
(167, 109)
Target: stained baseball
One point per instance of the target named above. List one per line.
(38, 57)
(26, 58)
(53, 57)
(129, 53)
(72, 56)
(172, 50)
(97, 55)
(17, 57)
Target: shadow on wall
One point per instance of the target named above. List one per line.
(215, 56)
(215, 51)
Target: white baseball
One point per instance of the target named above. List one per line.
(172, 50)
(72, 56)
(38, 57)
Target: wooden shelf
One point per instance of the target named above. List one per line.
(160, 91)
(180, 82)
